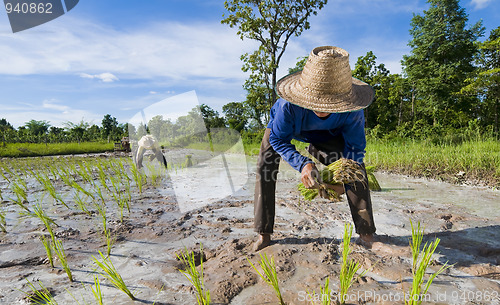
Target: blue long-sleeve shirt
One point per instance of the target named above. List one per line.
(289, 121)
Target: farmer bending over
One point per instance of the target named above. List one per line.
(145, 143)
(321, 105)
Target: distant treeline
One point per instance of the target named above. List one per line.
(35, 131)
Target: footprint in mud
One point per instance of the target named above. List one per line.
(448, 224)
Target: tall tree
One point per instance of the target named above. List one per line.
(377, 76)
(486, 83)
(109, 126)
(76, 130)
(211, 117)
(236, 115)
(272, 23)
(5, 128)
(441, 59)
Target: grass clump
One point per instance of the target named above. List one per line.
(39, 296)
(109, 271)
(58, 248)
(349, 267)
(325, 296)
(195, 276)
(48, 249)
(269, 275)
(421, 259)
(3, 223)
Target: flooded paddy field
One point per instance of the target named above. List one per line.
(145, 218)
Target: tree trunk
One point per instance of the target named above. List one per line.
(400, 116)
(273, 88)
(413, 105)
(495, 110)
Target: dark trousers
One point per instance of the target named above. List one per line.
(358, 195)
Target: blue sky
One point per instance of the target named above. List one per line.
(121, 56)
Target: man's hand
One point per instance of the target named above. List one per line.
(310, 176)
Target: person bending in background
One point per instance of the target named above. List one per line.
(148, 142)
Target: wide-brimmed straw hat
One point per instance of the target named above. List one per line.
(326, 83)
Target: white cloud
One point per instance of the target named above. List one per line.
(51, 104)
(104, 77)
(480, 4)
(52, 111)
(167, 50)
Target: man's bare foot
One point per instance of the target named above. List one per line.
(263, 241)
(375, 243)
(366, 240)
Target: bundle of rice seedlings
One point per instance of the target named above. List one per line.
(372, 181)
(342, 171)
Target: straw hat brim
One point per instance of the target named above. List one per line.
(360, 97)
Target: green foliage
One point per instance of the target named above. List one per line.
(236, 115)
(269, 274)
(441, 59)
(59, 249)
(39, 149)
(211, 117)
(485, 82)
(325, 294)
(477, 158)
(272, 24)
(299, 65)
(109, 272)
(48, 249)
(349, 267)
(194, 276)
(421, 260)
(39, 296)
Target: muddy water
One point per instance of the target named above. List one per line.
(305, 244)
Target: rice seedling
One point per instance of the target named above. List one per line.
(109, 272)
(372, 180)
(50, 188)
(3, 223)
(325, 294)
(102, 177)
(269, 275)
(48, 249)
(82, 205)
(84, 172)
(342, 171)
(349, 267)
(46, 220)
(119, 197)
(156, 174)
(39, 296)
(4, 171)
(109, 241)
(21, 194)
(195, 276)
(101, 208)
(58, 248)
(96, 291)
(137, 176)
(421, 259)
